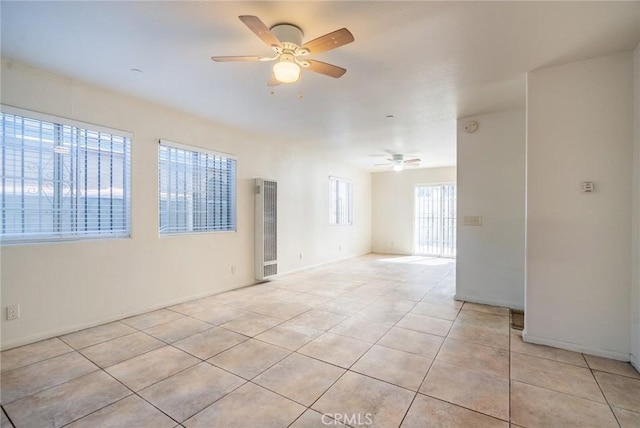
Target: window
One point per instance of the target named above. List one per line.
(62, 180)
(340, 201)
(197, 190)
(435, 220)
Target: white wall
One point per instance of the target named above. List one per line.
(61, 287)
(635, 284)
(580, 128)
(392, 206)
(491, 171)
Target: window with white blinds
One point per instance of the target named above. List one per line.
(340, 201)
(197, 190)
(62, 180)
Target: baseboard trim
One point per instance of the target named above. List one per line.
(635, 362)
(77, 327)
(614, 355)
(492, 302)
(82, 326)
(315, 265)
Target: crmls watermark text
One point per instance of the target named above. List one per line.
(353, 419)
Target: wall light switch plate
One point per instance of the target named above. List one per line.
(473, 220)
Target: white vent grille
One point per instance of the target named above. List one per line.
(266, 227)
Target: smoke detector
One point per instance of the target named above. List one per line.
(471, 126)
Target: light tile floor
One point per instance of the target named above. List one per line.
(370, 341)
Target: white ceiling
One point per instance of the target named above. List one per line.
(426, 63)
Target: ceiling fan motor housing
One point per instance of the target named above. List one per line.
(289, 35)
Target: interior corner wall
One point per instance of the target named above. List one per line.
(491, 171)
(62, 287)
(635, 280)
(578, 264)
(393, 206)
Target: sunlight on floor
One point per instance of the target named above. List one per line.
(420, 260)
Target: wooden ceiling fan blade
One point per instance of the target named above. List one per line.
(241, 58)
(329, 41)
(382, 164)
(416, 160)
(326, 69)
(259, 29)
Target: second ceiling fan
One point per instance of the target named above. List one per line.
(398, 162)
(290, 53)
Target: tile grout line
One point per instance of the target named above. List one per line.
(510, 409)
(98, 368)
(7, 416)
(615, 416)
(358, 359)
(372, 304)
(154, 383)
(459, 405)
(4, 372)
(429, 369)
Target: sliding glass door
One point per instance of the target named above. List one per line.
(435, 220)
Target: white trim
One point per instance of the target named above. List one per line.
(614, 355)
(436, 183)
(315, 265)
(59, 332)
(335, 177)
(492, 302)
(168, 143)
(635, 362)
(30, 114)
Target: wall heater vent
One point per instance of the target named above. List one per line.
(266, 239)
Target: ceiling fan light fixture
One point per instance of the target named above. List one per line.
(286, 71)
(398, 167)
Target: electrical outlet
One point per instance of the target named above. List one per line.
(473, 220)
(13, 312)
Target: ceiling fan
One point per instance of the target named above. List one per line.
(398, 162)
(290, 53)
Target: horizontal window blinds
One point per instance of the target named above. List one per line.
(61, 181)
(340, 201)
(197, 190)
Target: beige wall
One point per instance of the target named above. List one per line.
(392, 206)
(491, 169)
(61, 287)
(578, 263)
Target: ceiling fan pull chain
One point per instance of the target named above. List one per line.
(300, 95)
